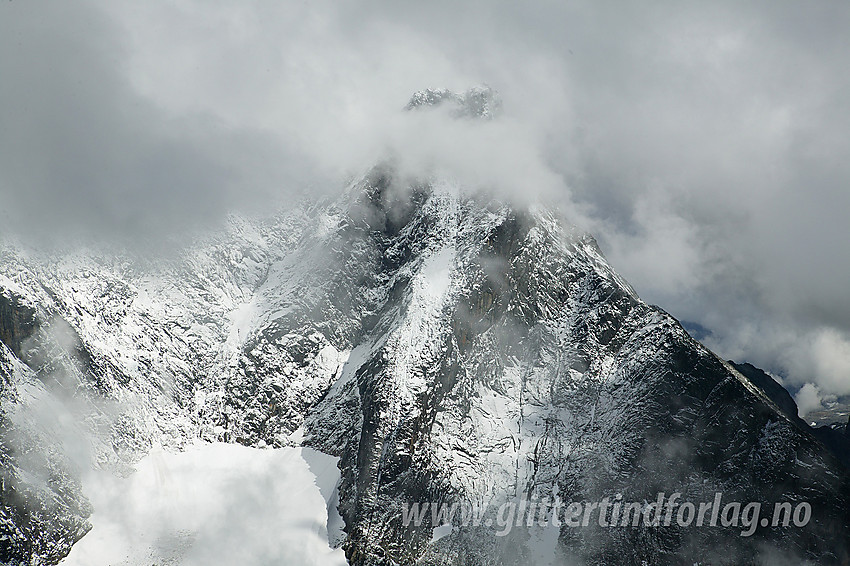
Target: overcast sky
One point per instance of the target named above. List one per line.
(705, 144)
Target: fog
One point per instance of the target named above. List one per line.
(704, 145)
(252, 507)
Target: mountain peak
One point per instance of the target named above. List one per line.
(445, 347)
(477, 102)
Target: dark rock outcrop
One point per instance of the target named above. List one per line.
(770, 387)
(17, 321)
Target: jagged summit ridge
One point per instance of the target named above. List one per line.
(477, 102)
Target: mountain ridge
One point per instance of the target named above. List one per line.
(446, 347)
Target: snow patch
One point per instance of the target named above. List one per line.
(441, 532)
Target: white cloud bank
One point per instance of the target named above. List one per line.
(808, 399)
(214, 505)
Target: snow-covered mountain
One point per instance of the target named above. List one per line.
(446, 347)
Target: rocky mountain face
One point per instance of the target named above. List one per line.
(42, 508)
(446, 347)
(774, 391)
(834, 437)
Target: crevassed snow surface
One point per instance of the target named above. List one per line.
(214, 504)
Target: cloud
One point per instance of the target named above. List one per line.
(831, 361)
(808, 399)
(251, 507)
(80, 147)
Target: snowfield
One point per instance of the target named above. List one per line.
(214, 504)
